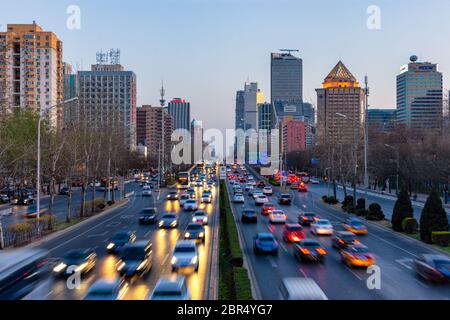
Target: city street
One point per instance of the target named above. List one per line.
(394, 255)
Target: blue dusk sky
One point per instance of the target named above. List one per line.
(206, 49)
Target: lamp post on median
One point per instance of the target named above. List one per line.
(398, 165)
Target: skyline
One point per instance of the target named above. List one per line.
(224, 47)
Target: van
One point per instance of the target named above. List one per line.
(300, 289)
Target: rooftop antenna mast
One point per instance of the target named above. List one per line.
(162, 101)
(289, 50)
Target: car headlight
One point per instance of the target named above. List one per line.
(174, 260)
(81, 267)
(161, 223)
(187, 235)
(110, 246)
(141, 265)
(120, 265)
(194, 260)
(60, 267)
(201, 234)
(173, 224)
(193, 219)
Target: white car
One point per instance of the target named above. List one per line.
(256, 194)
(268, 191)
(169, 288)
(190, 205)
(185, 255)
(314, 181)
(237, 190)
(200, 217)
(248, 186)
(322, 226)
(183, 198)
(238, 198)
(260, 200)
(277, 216)
(206, 197)
(146, 191)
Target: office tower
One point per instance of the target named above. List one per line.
(31, 70)
(266, 116)
(420, 96)
(381, 119)
(340, 108)
(180, 111)
(286, 78)
(69, 82)
(149, 130)
(239, 110)
(246, 106)
(294, 135)
(197, 141)
(107, 97)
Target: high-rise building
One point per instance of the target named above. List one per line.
(149, 129)
(70, 82)
(180, 111)
(246, 106)
(381, 119)
(294, 135)
(340, 107)
(286, 78)
(197, 141)
(420, 95)
(31, 70)
(107, 96)
(266, 116)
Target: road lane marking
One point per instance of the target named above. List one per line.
(165, 259)
(272, 262)
(405, 263)
(303, 272)
(283, 247)
(354, 273)
(96, 235)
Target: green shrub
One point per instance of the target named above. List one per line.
(325, 198)
(361, 208)
(47, 223)
(402, 209)
(242, 284)
(375, 212)
(347, 204)
(441, 238)
(410, 225)
(433, 217)
(274, 182)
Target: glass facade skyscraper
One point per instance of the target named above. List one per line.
(180, 111)
(286, 78)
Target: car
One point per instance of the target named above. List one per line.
(434, 268)
(64, 191)
(148, 216)
(198, 183)
(293, 186)
(293, 233)
(248, 186)
(307, 218)
(260, 200)
(169, 288)
(265, 243)
(267, 191)
(195, 231)
(277, 216)
(76, 260)
(267, 208)
(4, 198)
(192, 194)
(200, 216)
(309, 250)
(210, 184)
(322, 227)
(136, 259)
(168, 221)
(120, 239)
(173, 195)
(301, 289)
(355, 226)
(146, 191)
(237, 190)
(261, 184)
(314, 181)
(256, 194)
(249, 215)
(190, 205)
(343, 239)
(206, 197)
(105, 289)
(22, 198)
(357, 255)
(302, 187)
(238, 198)
(185, 255)
(285, 198)
(183, 198)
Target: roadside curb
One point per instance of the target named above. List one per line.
(213, 268)
(57, 234)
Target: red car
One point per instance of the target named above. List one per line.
(302, 187)
(293, 233)
(267, 209)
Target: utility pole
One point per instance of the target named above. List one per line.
(161, 170)
(366, 134)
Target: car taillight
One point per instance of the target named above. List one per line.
(305, 218)
(341, 241)
(321, 251)
(305, 251)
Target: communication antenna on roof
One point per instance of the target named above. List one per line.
(102, 58)
(114, 56)
(289, 50)
(162, 101)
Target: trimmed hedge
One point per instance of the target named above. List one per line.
(410, 225)
(242, 284)
(330, 200)
(441, 238)
(375, 212)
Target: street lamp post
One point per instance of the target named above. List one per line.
(398, 165)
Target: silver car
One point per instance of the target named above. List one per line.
(185, 255)
(169, 288)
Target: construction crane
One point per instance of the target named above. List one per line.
(289, 50)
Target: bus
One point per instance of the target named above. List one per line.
(183, 180)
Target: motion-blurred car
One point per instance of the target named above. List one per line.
(185, 255)
(173, 195)
(277, 216)
(309, 250)
(148, 216)
(265, 243)
(285, 198)
(200, 216)
(64, 191)
(206, 197)
(307, 218)
(199, 183)
(183, 198)
(433, 267)
(261, 184)
(249, 216)
(192, 194)
(81, 260)
(146, 191)
(256, 194)
(314, 181)
(267, 191)
(301, 289)
(114, 289)
(267, 208)
(195, 231)
(248, 186)
(136, 259)
(293, 233)
(238, 198)
(170, 289)
(302, 187)
(357, 255)
(119, 240)
(190, 205)
(343, 239)
(322, 227)
(168, 221)
(355, 226)
(260, 200)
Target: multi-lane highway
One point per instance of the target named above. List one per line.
(394, 255)
(96, 234)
